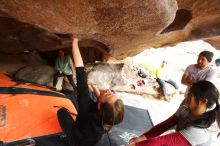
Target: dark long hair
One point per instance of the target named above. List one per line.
(111, 114)
(206, 90)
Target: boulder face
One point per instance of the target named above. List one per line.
(12, 63)
(36, 74)
(114, 28)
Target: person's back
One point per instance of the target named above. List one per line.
(198, 136)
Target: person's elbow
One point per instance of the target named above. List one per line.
(184, 79)
(184, 82)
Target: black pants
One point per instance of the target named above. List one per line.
(70, 78)
(68, 126)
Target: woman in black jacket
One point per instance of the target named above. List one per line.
(97, 112)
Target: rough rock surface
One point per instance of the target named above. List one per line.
(114, 27)
(12, 63)
(40, 74)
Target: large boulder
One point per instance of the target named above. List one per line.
(118, 28)
(40, 74)
(43, 75)
(11, 63)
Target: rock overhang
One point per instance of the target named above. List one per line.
(117, 28)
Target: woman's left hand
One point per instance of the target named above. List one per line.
(135, 140)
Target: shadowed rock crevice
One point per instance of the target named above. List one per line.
(91, 50)
(17, 37)
(181, 20)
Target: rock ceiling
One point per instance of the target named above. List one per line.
(120, 28)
